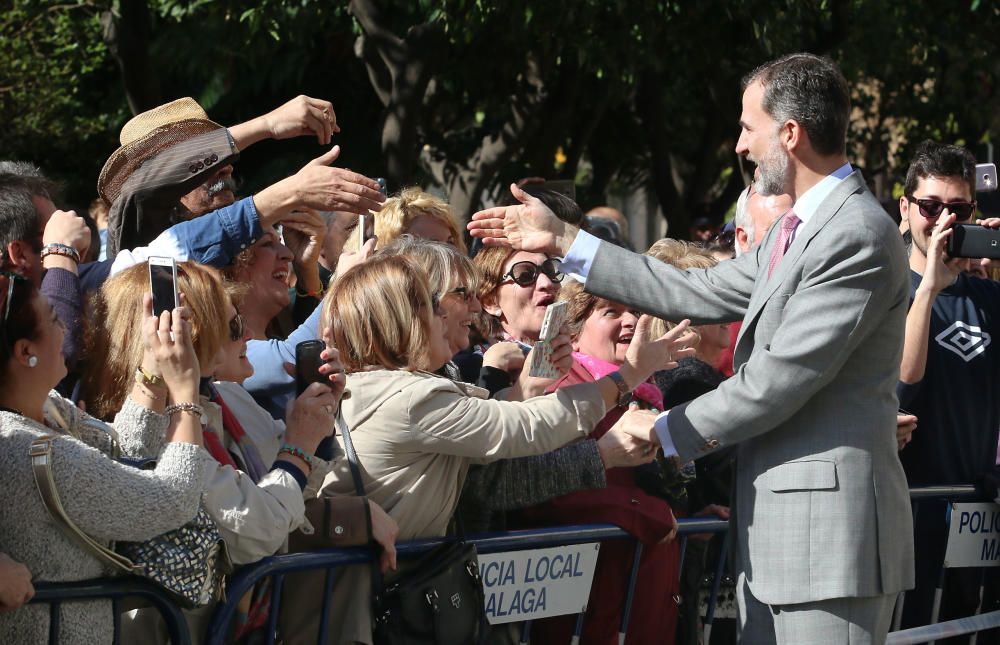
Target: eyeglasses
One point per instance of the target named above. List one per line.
(526, 273)
(436, 304)
(464, 293)
(931, 208)
(237, 328)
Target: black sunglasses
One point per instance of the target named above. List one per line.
(526, 273)
(237, 327)
(931, 208)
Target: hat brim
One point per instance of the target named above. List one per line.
(123, 161)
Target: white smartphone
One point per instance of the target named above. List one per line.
(541, 359)
(163, 284)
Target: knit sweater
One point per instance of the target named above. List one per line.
(107, 500)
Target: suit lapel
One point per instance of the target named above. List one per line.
(830, 206)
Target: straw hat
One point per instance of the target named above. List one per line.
(148, 134)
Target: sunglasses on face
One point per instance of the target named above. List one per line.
(237, 328)
(526, 273)
(931, 208)
(11, 279)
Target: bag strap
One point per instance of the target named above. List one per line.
(378, 584)
(41, 467)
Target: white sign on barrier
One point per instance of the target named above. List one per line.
(974, 538)
(523, 585)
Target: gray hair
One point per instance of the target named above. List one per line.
(811, 91)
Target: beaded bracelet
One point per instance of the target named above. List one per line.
(66, 251)
(193, 408)
(292, 449)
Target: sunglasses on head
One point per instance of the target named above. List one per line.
(12, 278)
(237, 327)
(931, 208)
(526, 273)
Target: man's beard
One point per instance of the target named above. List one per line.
(774, 170)
(219, 185)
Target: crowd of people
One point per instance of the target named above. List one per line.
(783, 373)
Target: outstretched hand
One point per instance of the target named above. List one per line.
(527, 226)
(646, 355)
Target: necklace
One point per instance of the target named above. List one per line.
(13, 410)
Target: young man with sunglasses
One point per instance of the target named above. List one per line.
(950, 370)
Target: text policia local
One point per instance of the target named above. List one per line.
(523, 600)
(987, 524)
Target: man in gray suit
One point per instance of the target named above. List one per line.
(822, 518)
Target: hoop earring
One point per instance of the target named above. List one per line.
(32, 361)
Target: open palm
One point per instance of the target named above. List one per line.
(526, 226)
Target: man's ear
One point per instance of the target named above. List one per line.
(16, 255)
(742, 239)
(792, 134)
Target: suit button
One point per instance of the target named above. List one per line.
(200, 165)
(339, 530)
(208, 161)
(193, 168)
(713, 443)
(215, 158)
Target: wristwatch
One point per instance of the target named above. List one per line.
(624, 392)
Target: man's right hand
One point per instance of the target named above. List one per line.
(941, 271)
(527, 226)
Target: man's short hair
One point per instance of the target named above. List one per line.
(810, 90)
(19, 182)
(933, 159)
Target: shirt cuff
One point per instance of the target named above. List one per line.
(293, 470)
(580, 257)
(662, 429)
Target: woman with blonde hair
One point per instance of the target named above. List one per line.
(416, 433)
(255, 495)
(420, 214)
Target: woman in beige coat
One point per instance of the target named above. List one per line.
(416, 433)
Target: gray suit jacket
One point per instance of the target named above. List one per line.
(822, 508)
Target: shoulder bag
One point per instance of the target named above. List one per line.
(190, 562)
(437, 601)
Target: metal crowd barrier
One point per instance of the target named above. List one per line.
(276, 567)
(114, 589)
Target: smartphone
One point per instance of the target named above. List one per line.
(307, 363)
(974, 241)
(163, 284)
(986, 177)
(541, 360)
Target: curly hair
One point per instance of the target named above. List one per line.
(399, 211)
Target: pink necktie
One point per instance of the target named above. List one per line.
(788, 225)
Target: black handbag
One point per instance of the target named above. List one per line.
(438, 600)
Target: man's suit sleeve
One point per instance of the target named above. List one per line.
(845, 292)
(719, 294)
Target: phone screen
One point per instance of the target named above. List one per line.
(161, 283)
(307, 363)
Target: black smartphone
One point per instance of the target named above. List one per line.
(163, 284)
(974, 241)
(307, 363)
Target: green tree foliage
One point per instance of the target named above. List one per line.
(468, 95)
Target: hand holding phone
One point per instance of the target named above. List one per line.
(163, 284)
(541, 360)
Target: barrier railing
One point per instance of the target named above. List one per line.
(114, 589)
(276, 567)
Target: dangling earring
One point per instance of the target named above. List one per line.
(32, 361)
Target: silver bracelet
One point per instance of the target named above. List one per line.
(193, 408)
